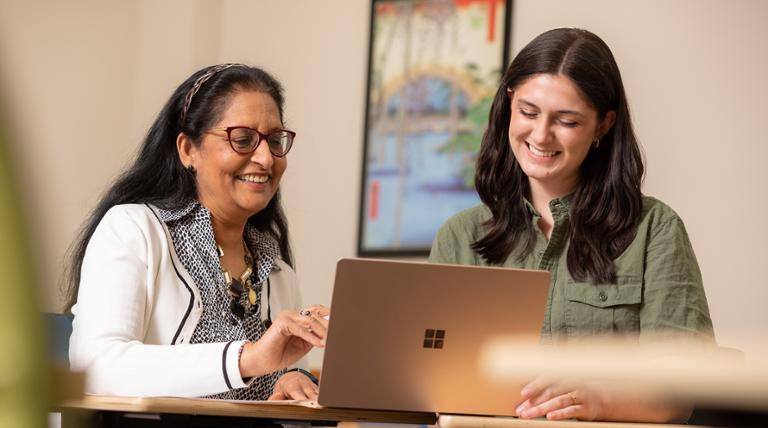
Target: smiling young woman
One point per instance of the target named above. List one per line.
(559, 173)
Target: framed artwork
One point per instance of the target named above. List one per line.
(433, 69)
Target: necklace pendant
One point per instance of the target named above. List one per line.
(252, 296)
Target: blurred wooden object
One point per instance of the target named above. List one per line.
(459, 421)
(67, 385)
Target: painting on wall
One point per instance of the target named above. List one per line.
(433, 69)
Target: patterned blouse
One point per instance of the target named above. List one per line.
(192, 234)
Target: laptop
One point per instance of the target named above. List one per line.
(407, 336)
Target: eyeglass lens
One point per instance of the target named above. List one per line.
(245, 140)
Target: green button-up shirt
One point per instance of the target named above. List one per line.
(658, 288)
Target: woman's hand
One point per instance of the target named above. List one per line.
(604, 401)
(559, 400)
(294, 386)
(290, 337)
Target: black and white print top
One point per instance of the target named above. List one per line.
(192, 234)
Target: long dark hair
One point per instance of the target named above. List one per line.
(607, 202)
(158, 177)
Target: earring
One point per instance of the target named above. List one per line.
(191, 169)
(596, 143)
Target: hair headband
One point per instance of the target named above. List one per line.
(200, 81)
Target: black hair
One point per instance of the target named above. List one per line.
(157, 175)
(607, 201)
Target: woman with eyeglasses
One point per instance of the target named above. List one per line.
(181, 282)
(559, 174)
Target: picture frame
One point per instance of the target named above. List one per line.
(433, 70)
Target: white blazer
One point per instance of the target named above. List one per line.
(137, 308)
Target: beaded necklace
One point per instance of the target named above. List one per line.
(236, 286)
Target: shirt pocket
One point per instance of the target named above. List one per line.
(600, 309)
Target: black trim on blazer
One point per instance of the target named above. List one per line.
(191, 294)
(224, 365)
(268, 321)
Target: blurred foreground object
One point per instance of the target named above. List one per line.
(682, 370)
(23, 378)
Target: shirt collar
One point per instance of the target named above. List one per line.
(168, 215)
(264, 246)
(561, 204)
(531, 209)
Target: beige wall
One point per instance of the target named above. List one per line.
(83, 80)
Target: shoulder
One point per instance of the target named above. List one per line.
(657, 215)
(282, 266)
(129, 223)
(283, 274)
(468, 222)
(130, 213)
(657, 211)
(660, 226)
(453, 243)
(125, 232)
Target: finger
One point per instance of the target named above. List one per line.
(310, 390)
(309, 336)
(556, 403)
(536, 386)
(526, 404)
(301, 326)
(323, 321)
(550, 391)
(543, 396)
(319, 327)
(295, 392)
(318, 311)
(322, 311)
(276, 396)
(570, 412)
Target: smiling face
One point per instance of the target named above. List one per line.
(234, 186)
(551, 129)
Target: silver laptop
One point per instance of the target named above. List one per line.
(407, 336)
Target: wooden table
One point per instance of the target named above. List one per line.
(108, 411)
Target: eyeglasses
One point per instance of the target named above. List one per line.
(246, 140)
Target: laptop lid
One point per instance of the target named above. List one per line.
(407, 336)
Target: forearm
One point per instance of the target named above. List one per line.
(251, 363)
(131, 368)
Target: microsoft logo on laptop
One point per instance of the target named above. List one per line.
(434, 338)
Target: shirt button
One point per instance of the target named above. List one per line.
(602, 296)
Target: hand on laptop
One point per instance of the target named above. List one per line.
(294, 386)
(318, 311)
(289, 338)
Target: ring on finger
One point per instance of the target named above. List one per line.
(573, 398)
(305, 312)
